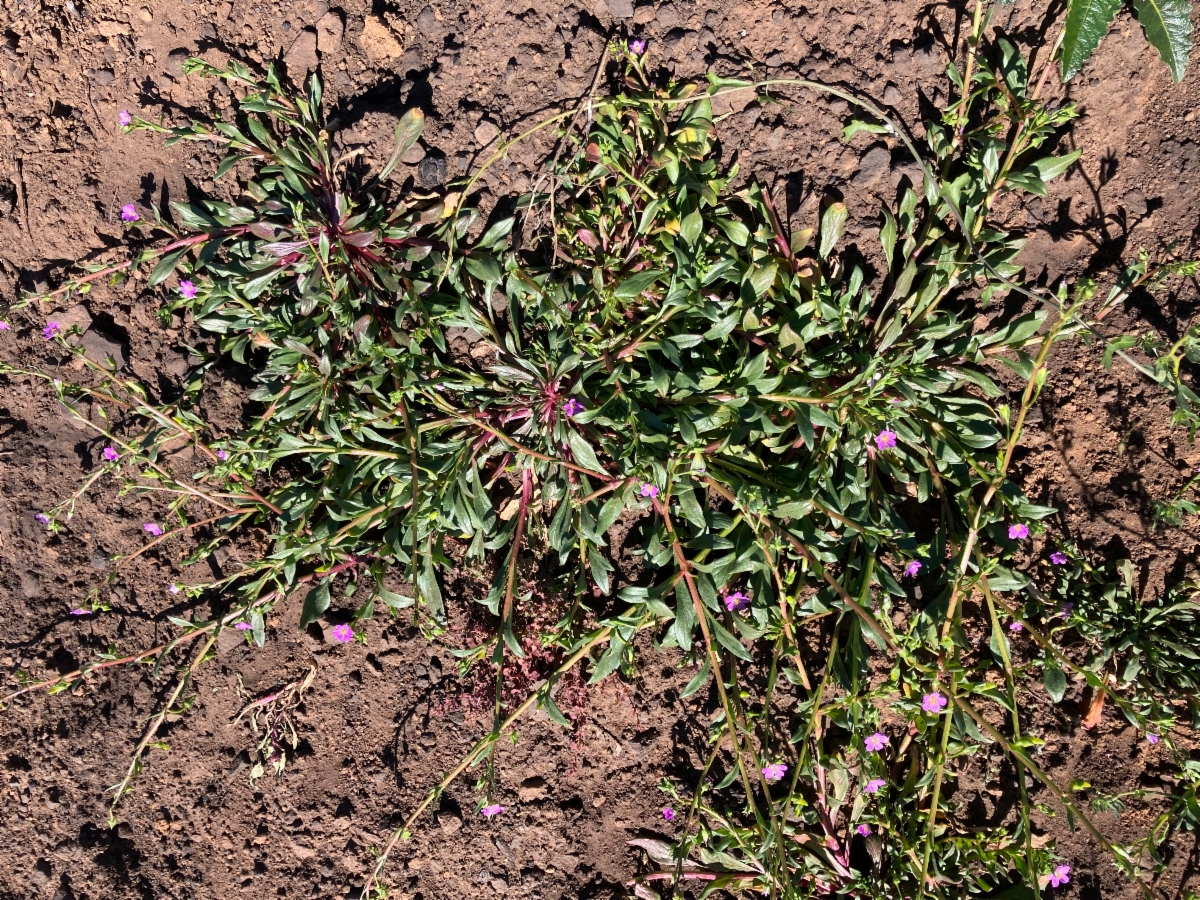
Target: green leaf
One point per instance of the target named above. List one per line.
(408, 130)
(583, 452)
(832, 223)
(858, 125)
(691, 226)
(316, 601)
(165, 267)
(633, 286)
(1055, 682)
(1087, 22)
(1053, 166)
(1168, 28)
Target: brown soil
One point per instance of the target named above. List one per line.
(381, 723)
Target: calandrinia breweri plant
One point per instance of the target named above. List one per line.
(792, 435)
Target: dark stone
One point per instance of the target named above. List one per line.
(432, 171)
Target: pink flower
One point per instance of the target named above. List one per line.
(222, 455)
(50, 332)
(125, 119)
(493, 809)
(1152, 738)
(885, 439)
(243, 626)
(129, 213)
(874, 785)
(4, 326)
(174, 589)
(1058, 559)
(572, 407)
(737, 601)
(864, 830)
(637, 47)
(1016, 626)
(111, 454)
(151, 528)
(913, 567)
(774, 771)
(933, 703)
(343, 634)
(668, 814)
(876, 742)
(1018, 532)
(1060, 876)
(81, 612)
(649, 490)
(187, 289)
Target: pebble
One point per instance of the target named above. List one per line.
(429, 24)
(891, 95)
(618, 9)
(872, 164)
(329, 32)
(103, 77)
(208, 32)
(643, 15)
(99, 559)
(413, 155)
(302, 55)
(31, 587)
(175, 60)
(99, 349)
(145, 15)
(1135, 204)
(485, 132)
(432, 171)
(668, 16)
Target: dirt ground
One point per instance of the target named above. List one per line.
(382, 723)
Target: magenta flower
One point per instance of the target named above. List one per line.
(222, 455)
(885, 440)
(1015, 626)
(1060, 876)
(736, 602)
(174, 588)
(111, 454)
(125, 119)
(81, 612)
(913, 567)
(187, 289)
(649, 490)
(493, 809)
(572, 407)
(933, 703)
(43, 518)
(876, 742)
(668, 814)
(1152, 738)
(1058, 559)
(1018, 532)
(637, 47)
(129, 213)
(243, 626)
(50, 332)
(151, 528)
(874, 785)
(864, 830)
(343, 634)
(4, 326)
(774, 771)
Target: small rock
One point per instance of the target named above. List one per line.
(618, 9)
(77, 316)
(429, 24)
(102, 77)
(872, 164)
(449, 823)
(413, 154)
(225, 11)
(499, 885)
(99, 559)
(565, 863)
(1135, 204)
(31, 587)
(892, 95)
(302, 55)
(99, 349)
(329, 32)
(668, 16)
(176, 59)
(485, 132)
(643, 15)
(432, 171)
(378, 41)
(145, 15)
(208, 32)
(229, 640)
(111, 29)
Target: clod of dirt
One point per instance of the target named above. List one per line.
(99, 559)
(302, 55)
(31, 587)
(378, 41)
(329, 32)
(102, 77)
(449, 823)
(176, 59)
(876, 161)
(432, 171)
(532, 789)
(891, 95)
(618, 9)
(668, 15)
(77, 316)
(145, 15)
(413, 154)
(110, 29)
(644, 14)
(485, 132)
(99, 349)
(429, 24)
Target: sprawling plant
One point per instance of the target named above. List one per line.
(808, 448)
